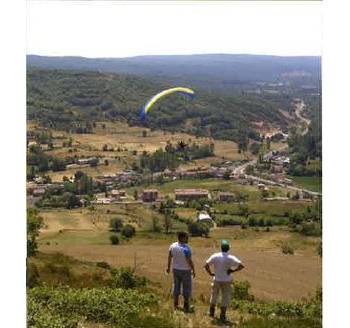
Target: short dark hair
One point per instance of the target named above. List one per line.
(181, 235)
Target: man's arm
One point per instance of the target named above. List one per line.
(169, 262)
(190, 263)
(207, 268)
(239, 268)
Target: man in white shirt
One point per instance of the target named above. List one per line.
(224, 265)
(181, 256)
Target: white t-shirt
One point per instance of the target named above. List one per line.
(222, 262)
(179, 252)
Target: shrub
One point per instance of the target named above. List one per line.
(116, 224)
(155, 224)
(311, 229)
(287, 249)
(228, 221)
(34, 224)
(32, 275)
(128, 231)
(103, 265)
(125, 278)
(114, 239)
(198, 229)
(65, 307)
(241, 291)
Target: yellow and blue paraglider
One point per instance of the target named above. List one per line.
(149, 104)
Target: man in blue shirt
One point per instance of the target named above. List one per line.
(181, 256)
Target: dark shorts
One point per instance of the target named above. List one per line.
(182, 278)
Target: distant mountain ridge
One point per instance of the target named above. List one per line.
(210, 71)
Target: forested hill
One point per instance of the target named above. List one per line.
(73, 100)
(217, 72)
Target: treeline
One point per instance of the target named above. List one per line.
(172, 156)
(39, 162)
(72, 194)
(72, 101)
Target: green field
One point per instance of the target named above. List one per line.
(309, 183)
(213, 185)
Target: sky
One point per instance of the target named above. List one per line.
(131, 28)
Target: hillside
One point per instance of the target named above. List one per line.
(74, 100)
(215, 72)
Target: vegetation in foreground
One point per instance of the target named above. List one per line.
(119, 298)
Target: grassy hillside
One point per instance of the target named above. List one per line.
(216, 72)
(73, 101)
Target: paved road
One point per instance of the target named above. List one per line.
(239, 170)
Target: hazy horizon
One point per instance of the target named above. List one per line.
(175, 55)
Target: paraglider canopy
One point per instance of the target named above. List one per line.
(149, 104)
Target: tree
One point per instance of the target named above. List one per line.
(114, 239)
(94, 162)
(243, 210)
(73, 201)
(198, 229)
(34, 224)
(226, 175)
(58, 165)
(254, 148)
(128, 231)
(168, 221)
(116, 224)
(155, 224)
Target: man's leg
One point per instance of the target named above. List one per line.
(213, 298)
(226, 291)
(187, 289)
(176, 288)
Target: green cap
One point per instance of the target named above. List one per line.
(225, 245)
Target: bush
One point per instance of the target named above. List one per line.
(155, 225)
(198, 229)
(125, 278)
(65, 307)
(32, 275)
(114, 239)
(103, 265)
(309, 310)
(287, 249)
(34, 224)
(311, 229)
(128, 231)
(241, 291)
(116, 224)
(229, 221)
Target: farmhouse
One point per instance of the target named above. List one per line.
(226, 197)
(103, 201)
(118, 194)
(204, 217)
(150, 195)
(191, 194)
(38, 192)
(90, 160)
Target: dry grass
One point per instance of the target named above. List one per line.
(273, 276)
(125, 140)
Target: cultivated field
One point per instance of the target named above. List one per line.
(126, 143)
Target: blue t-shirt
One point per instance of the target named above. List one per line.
(180, 252)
